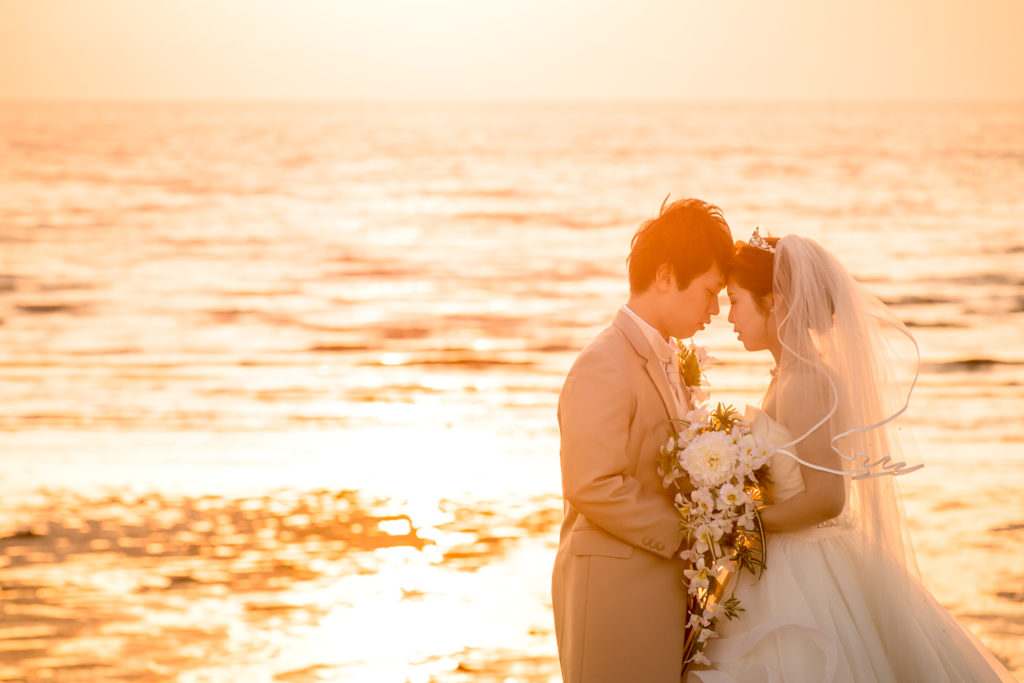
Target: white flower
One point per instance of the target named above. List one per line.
(746, 442)
(709, 459)
(688, 555)
(707, 537)
(762, 456)
(753, 458)
(721, 527)
(698, 576)
(704, 500)
(699, 658)
(748, 461)
(700, 546)
(669, 478)
(746, 520)
(714, 531)
(733, 494)
(703, 357)
(698, 416)
(705, 533)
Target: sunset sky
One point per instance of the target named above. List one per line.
(511, 49)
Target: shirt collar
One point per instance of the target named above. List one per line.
(664, 350)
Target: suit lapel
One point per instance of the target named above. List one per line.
(654, 368)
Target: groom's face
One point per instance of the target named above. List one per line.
(688, 310)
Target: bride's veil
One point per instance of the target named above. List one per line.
(846, 371)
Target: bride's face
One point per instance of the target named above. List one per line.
(754, 326)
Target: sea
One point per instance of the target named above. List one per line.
(279, 380)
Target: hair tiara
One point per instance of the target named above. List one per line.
(759, 242)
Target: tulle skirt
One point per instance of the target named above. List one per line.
(825, 610)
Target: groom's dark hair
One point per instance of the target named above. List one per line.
(689, 234)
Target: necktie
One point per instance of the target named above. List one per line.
(674, 381)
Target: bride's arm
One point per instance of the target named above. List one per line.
(824, 494)
(821, 501)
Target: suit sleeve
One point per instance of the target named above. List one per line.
(596, 411)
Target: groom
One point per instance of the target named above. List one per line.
(617, 591)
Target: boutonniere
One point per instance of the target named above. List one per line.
(691, 362)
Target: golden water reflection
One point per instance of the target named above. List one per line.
(309, 586)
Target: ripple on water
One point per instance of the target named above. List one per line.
(169, 580)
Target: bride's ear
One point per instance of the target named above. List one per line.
(768, 302)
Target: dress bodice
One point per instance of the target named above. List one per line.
(783, 471)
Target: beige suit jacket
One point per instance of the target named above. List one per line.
(617, 591)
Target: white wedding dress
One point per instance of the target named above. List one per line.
(825, 609)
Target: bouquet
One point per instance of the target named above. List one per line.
(726, 467)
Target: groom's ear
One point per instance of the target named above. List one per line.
(665, 278)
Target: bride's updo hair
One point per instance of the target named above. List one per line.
(753, 269)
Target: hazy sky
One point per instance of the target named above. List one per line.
(518, 49)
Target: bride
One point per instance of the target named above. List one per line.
(840, 599)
